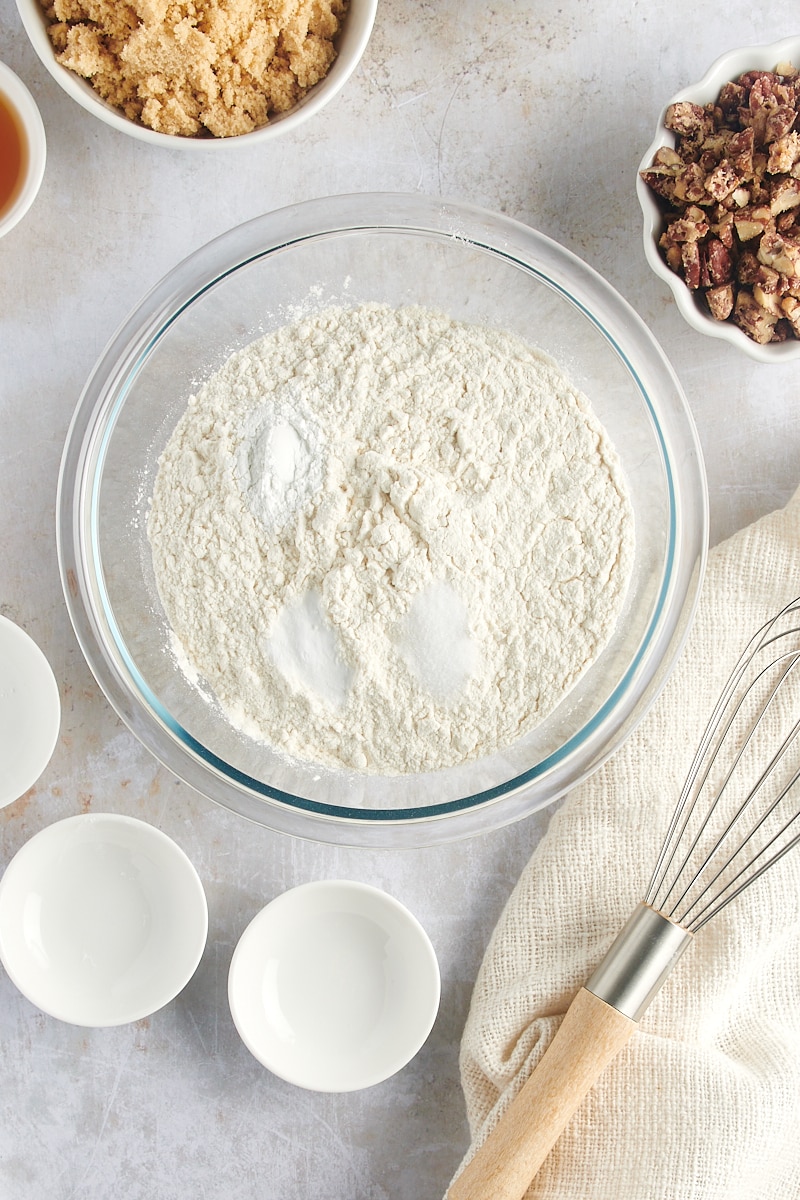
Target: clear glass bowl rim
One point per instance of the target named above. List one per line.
(105, 392)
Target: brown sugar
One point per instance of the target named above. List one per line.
(197, 67)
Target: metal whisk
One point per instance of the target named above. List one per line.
(737, 814)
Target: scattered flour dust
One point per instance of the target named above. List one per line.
(389, 541)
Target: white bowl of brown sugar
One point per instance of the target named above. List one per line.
(200, 75)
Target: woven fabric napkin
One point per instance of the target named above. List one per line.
(704, 1102)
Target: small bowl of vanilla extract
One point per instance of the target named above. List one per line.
(23, 149)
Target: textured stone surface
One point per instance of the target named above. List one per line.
(540, 110)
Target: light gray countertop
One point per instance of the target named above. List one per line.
(539, 110)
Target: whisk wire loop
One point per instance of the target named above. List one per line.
(720, 899)
(733, 818)
(694, 790)
(680, 816)
(750, 796)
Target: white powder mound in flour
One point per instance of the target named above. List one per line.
(390, 541)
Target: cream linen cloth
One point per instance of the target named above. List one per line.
(704, 1102)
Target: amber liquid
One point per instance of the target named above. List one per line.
(13, 155)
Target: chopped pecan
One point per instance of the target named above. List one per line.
(764, 90)
(688, 120)
(752, 222)
(720, 301)
(718, 261)
(724, 229)
(779, 122)
(691, 264)
(740, 151)
(748, 267)
(766, 279)
(690, 185)
(791, 310)
(665, 156)
(770, 301)
(674, 258)
(731, 97)
(785, 194)
(689, 228)
(787, 222)
(723, 180)
(755, 119)
(756, 322)
(713, 149)
(759, 184)
(784, 153)
(661, 180)
(781, 253)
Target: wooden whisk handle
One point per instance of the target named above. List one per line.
(598, 1023)
(590, 1036)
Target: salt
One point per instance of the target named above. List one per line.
(305, 650)
(435, 641)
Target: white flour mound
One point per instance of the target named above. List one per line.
(390, 541)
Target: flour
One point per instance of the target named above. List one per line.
(389, 541)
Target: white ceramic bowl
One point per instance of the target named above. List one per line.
(103, 919)
(355, 34)
(691, 306)
(22, 104)
(334, 986)
(30, 712)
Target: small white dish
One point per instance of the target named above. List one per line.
(355, 35)
(21, 106)
(30, 712)
(334, 986)
(103, 919)
(691, 307)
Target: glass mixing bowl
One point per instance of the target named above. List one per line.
(393, 249)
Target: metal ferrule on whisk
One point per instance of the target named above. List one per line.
(639, 961)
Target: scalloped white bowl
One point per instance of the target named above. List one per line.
(690, 306)
(355, 35)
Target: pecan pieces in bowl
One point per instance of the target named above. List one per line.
(730, 193)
